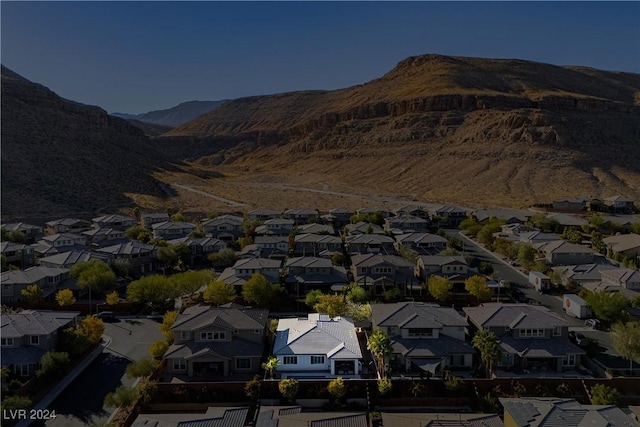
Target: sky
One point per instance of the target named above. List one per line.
(136, 57)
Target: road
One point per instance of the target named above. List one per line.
(211, 196)
(81, 403)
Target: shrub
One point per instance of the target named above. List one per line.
(252, 388)
(337, 389)
(158, 349)
(289, 389)
(384, 386)
(123, 396)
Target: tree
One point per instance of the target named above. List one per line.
(94, 275)
(53, 365)
(168, 320)
(384, 386)
(337, 389)
(218, 293)
(635, 228)
(175, 256)
(141, 368)
(158, 348)
(122, 267)
(225, 258)
(252, 388)
(604, 395)
(526, 255)
(626, 341)
(439, 287)
(92, 328)
(355, 293)
(259, 290)
(123, 396)
(4, 265)
(607, 306)
(333, 305)
(15, 236)
(138, 232)
(311, 298)
(14, 403)
(572, 235)
(74, 342)
(486, 343)
(65, 297)
(289, 389)
(271, 365)
(358, 312)
(337, 259)
(177, 217)
(477, 286)
(485, 267)
(244, 242)
(156, 291)
(393, 295)
(191, 281)
(380, 346)
(113, 298)
(31, 295)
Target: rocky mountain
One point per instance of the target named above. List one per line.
(174, 116)
(465, 130)
(59, 156)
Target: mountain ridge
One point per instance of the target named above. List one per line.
(174, 116)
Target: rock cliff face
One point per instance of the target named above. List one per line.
(467, 130)
(60, 156)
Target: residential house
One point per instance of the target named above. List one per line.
(32, 233)
(338, 217)
(68, 259)
(317, 245)
(534, 237)
(318, 346)
(305, 273)
(154, 218)
(442, 265)
(405, 224)
(362, 228)
(561, 252)
(439, 419)
(508, 215)
(67, 225)
(531, 337)
(216, 341)
(557, 411)
(623, 280)
(315, 228)
(202, 247)
(170, 230)
(447, 216)
(412, 210)
(385, 213)
(244, 268)
(369, 244)
(63, 240)
(214, 417)
(618, 204)
(224, 227)
(571, 203)
(119, 222)
(276, 227)
(28, 335)
(143, 257)
(423, 336)
(293, 416)
(302, 215)
(97, 235)
(272, 246)
(47, 278)
(422, 243)
(18, 254)
(513, 231)
(625, 244)
(567, 220)
(378, 273)
(263, 214)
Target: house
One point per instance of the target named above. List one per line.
(623, 277)
(143, 257)
(581, 274)
(31, 232)
(154, 218)
(384, 213)
(293, 416)
(441, 265)
(302, 215)
(201, 247)
(508, 215)
(276, 226)
(216, 341)
(97, 235)
(120, 222)
(315, 228)
(227, 228)
(423, 336)
(369, 244)
(556, 411)
(338, 217)
(47, 278)
(63, 240)
(412, 210)
(244, 268)
(281, 243)
(567, 220)
(362, 228)
(67, 225)
(169, 230)
(18, 254)
(318, 346)
(571, 203)
(533, 237)
(263, 214)
(422, 243)
(447, 216)
(618, 204)
(68, 259)
(625, 244)
(377, 273)
(317, 245)
(530, 337)
(28, 335)
(213, 417)
(405, 224)
(561, 252)
(312, 273)
(439, 419)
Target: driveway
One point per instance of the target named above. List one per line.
(81, 403)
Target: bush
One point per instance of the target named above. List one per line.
(252, 388)
(158, 349)
(337, 389)
(141, 368)
(384, 386)
(604, 395)
(289, 389)
(53, 365)
(147, 390)
(123, 396)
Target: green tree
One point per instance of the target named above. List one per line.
(626, 341)
(177, 217)
(337, 389)
(94, 275)
(635, 228)
(175, 256)
(141, 368)
(53, 365)
(333, 305)
(439, 287)
(189, 282)
(65, 297)
(31, 295)
(92, 328)
(604, 395)
(608, 306)
(218, 293)
(572, 235)
(311, 299)
(156, 291)
(146, 390)
(252, 388)
(358, 312)
(384, 386)
(259, 290)
(158, 348)
(4, 265)
(355, 293)
(244, 242)
(15, 236)
(225, 258)
(380, 346)
(393, 295)
(271, 365)
(454, 384)
(138, 232)
(123, 397)
(526, 255)
(74, 342)
(337, 259)
(486, 343)
(289, 389)
(477, 286)
(485, 267)
(113, 298)
(168, 320)
(14, 403)
(122, 267)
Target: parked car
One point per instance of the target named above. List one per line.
(106, 316)
(519, 296)
(579, 338)
(594, 323)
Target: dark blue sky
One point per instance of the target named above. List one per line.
(139, 56)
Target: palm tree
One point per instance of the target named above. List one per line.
(380, 346)
(270, 365)
(487, 344)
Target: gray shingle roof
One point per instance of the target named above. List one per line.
(223, 219)
(30, 275)
(128, 248)
(413, 419)
(430, 347)
(214, 417)
(415, 315)
(513, 315)
(370, 260)
(543, 348)
(201, 316)
(170, 225)
(32, 322)
(276, 416)
(73, 257)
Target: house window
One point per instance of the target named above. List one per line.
(317, 360)
(557, 331)
(35, 340)
(213, 336)
(421, 332)
(457, 360)
(185, 335)
(22, 370)
(244, 363)
(531, 333)
(569, 360)
(6, 342)
(179, 365)
(290, 360)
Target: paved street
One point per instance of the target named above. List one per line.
(82, 402)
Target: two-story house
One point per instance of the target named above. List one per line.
(276, 227)
(447, 216)
(201, 247)
(169, 230)
(18, 254)
(315, 228)
(378, 273)
(531, 337)
(149, 219)
(412, 210)
(424, 336)
(68, 259)
(96, 236)
(317, 245)
(405, 224)
(561, 252)
(143, 257)
(224, 227)
(625, 244)
(338, 217)
(306, 273)
(28, 335)
(47, 278)
(263, 214)
(422, 243)
(301, 215)
(63, 240)
(119, 222)
(454, 268)
(244, 268)
(623, 280)
(361, 228)
(369, 244)
(318, 346)
(32, 233)
(67, 225)
(384, 213)
(618, 204)
(216, 341)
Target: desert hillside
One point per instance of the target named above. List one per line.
(462, 130)
(174, 116)
(59, 156)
